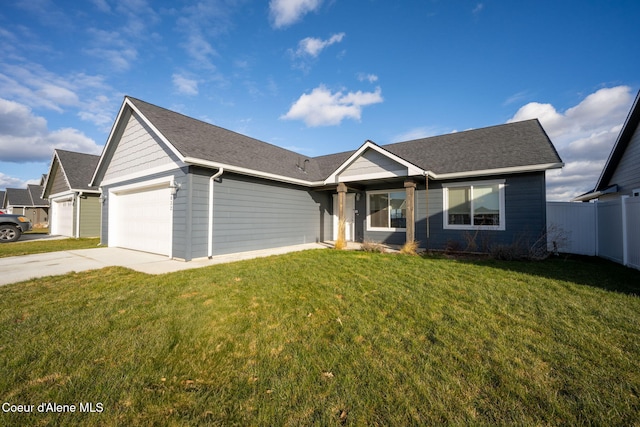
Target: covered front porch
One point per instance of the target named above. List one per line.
(378, 211)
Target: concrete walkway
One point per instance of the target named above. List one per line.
(20, 268)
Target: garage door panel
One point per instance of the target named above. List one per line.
(62, 217)
(141, 220)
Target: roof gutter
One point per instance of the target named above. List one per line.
(251, 172)
(498, 171)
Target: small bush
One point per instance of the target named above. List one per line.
(340, 244)
(410, 248)
(370, 246)
(452, 246)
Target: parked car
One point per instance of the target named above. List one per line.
(12, 227)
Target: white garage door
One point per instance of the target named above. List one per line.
(62, 217)
(141, 219)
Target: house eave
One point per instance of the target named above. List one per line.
(251, 172)
(128, 104)
(412, 170)
(497, 171)
(595, 194)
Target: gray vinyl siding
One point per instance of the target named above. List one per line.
(252, 214)
(139, 149)
(60, 184)
(372, 162)
(627, 174)
(89, 216)
(525, 216)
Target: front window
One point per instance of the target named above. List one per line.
(387, 210)
(474, 205)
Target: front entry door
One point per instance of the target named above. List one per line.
(349, 215)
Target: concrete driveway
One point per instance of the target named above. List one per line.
(20, 268)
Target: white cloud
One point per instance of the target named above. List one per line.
(7, 181)
(119, 59)
(201, 51)
(185, 85)
(312, 46)
(24, 137)
(288, 12)
(479, 7)
(371, 78)
(583, 135)
(102, 5)
(415, 133)
(321, 107)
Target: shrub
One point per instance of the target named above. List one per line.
(410, 248)
(371, 246)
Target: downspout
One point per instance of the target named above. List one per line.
(78, 198)
(211, 181)
(426, 201)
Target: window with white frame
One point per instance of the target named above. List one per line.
(635, 193)
(387, 210)
(474, 205)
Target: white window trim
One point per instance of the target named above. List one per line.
(635, 192)
(369, 227)
(445, 206)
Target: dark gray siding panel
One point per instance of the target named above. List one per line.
(253, 214)
(627, 174)
(525, 211)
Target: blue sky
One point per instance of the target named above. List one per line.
(319, 76)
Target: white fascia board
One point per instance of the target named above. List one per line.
(128, 104)
(77, 190)
(251, 172)
(165, 181)
(63, 194)
(142, 173)
(586, 197)
(109, 140)
(499, 171)
(46, 181)
(379, 175)
(412, 169)
(156, 131)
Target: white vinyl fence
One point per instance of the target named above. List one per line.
(608, 229)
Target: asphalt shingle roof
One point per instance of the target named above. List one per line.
(29, 196)
(201, 140)
(496, 147)
(78, 168)
(504, 146)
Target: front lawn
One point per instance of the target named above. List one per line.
(20, 248)
(329, 338)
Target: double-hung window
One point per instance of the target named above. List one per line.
(474, 205)
(387, 210)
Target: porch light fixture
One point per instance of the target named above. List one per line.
(174, 188)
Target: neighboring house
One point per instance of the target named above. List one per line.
(177, 186)
(75, 206)
(621, 174)
(27, 202)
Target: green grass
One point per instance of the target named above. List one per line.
(40, 246)
(329, 338)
